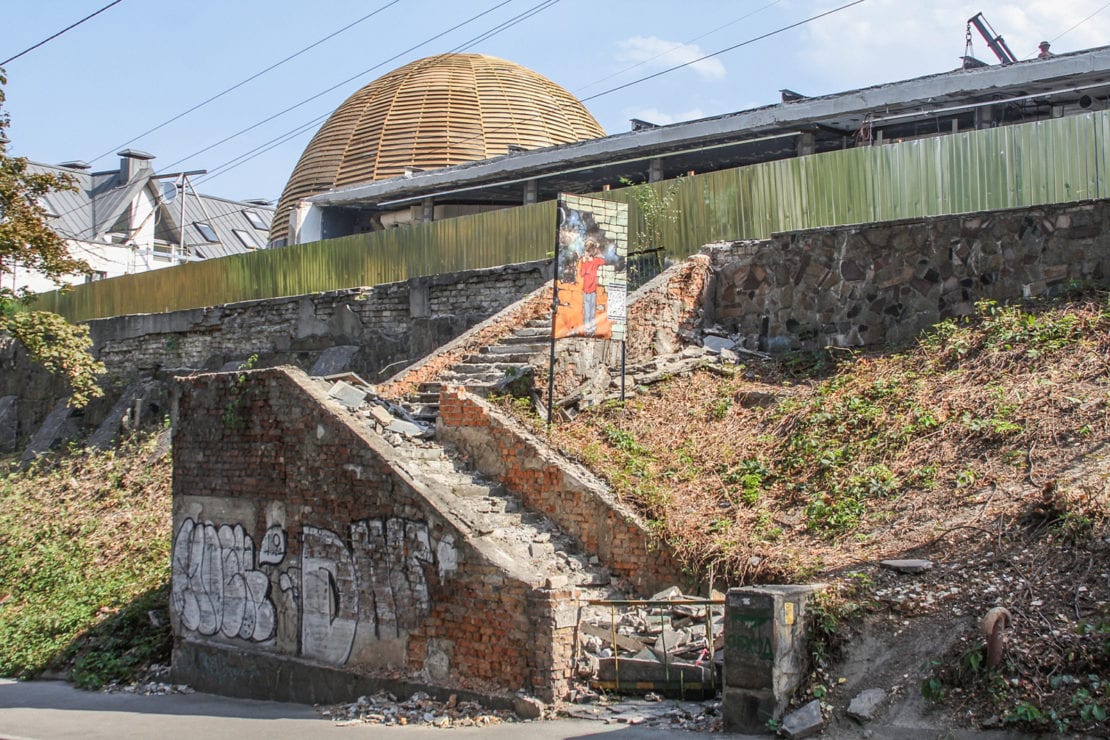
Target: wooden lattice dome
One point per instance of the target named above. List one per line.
(434, 112)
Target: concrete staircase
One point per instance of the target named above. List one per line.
(488, 369)
(491, 512)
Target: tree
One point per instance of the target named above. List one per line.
(26, 241)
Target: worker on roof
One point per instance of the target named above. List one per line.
(1045, 53)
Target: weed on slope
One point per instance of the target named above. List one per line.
(84, 563)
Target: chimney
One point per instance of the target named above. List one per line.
(132, 162)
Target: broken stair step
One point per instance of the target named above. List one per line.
(485, 367)
(523, 358)
(469, 379)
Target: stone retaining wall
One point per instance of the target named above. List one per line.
(296, 538)
(579, 503)
(884, 283)
(372, 331)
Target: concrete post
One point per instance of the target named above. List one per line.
(427, 210)
(655, 170)
(806, 144)
(531, 192)
(765, 652)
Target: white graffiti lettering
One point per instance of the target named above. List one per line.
(215, 587)
(329, 597)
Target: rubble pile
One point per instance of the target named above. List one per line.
(668, 643)
(384, 708)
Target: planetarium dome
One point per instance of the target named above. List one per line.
(434, 112)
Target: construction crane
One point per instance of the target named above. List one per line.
(994, 40)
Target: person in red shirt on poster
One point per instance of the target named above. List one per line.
(588, 268)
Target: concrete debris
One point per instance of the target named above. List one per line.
(715, 344)
(153, 681)
(528, 707)
(347, 394)
(408, 428)
(652, 711)
(907, 566)
(384, 708)
(866, 703)
(803, 722)
(672, 649)
(380, 415)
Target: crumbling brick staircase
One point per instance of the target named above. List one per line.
(489, 509)
(496, 351)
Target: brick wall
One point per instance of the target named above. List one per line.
(571, 496)
(295, 537)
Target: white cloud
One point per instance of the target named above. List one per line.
(883, 40)
(655, 54)
(654, 115)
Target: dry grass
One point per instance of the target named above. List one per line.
(783, 472)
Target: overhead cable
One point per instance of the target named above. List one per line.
(239, 84)
(59, 33)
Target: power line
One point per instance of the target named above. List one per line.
(692, 61)
(722, 51)
(253, 77)
(337, 85)
(59, 33)
(1080, 23)
(293, 133)
(270, 118)
(676, 46)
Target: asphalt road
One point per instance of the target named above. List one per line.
(54, 709)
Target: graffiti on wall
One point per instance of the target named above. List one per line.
(376, 580)
(216, 588)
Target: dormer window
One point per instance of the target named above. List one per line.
(256, 220)
(206, 231)
(245, 238)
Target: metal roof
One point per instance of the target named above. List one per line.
(908, 108)
(90, 212)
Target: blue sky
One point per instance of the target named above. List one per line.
(142, 62)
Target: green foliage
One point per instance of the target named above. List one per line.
(658, 204)
(84, 561)
(60, 347)
(27, 242)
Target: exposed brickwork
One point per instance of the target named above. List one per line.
(489, 332)
(403, 590)
(576, 501)
(658, 313)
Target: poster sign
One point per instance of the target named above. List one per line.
(591, 275)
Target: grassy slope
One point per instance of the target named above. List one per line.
(984, 447)
(84, 559)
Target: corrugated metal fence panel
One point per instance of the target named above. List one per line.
(469, 242)
(1052, 161)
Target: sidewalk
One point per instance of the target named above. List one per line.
(54, 709)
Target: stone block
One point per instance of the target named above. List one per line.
(765, 646)
(803, 722)
(865, 704)
(57, 426)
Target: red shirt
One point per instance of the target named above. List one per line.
(588, 270)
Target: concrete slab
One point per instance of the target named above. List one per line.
(333, 360)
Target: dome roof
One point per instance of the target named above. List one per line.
(434, 112)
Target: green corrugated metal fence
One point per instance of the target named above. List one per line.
(1053, 161)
